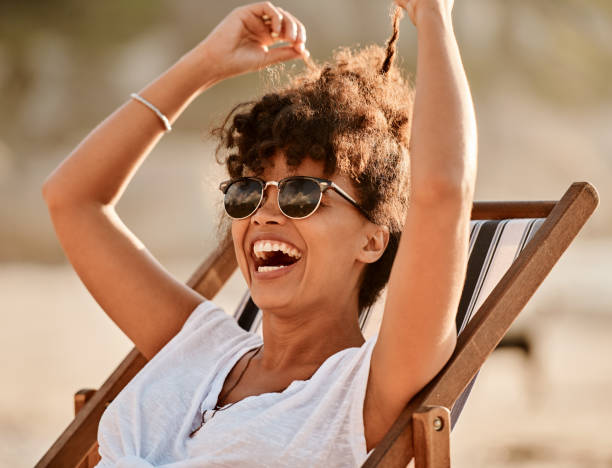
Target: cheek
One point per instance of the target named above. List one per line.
(336, 245)
(239, 228)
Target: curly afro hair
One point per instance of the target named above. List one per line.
(354, 116)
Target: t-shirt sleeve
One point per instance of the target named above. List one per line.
(208, 327)
(146, 410)
(357, 391)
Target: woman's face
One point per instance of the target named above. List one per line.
(328, 246)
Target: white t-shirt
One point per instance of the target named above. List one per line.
(316, 422)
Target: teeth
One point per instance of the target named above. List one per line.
(271, 246)
(270, 268)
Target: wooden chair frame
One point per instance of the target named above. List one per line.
(422, 430)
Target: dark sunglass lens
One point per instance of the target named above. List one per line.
(242, 198)
(299, 197)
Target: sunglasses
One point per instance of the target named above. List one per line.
(298, 196)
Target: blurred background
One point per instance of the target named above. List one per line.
(541, 77)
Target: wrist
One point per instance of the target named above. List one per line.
(200, 69)
(432, 16)
(173, 90)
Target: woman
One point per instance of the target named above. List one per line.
(315, 249)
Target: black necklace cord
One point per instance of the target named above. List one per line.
(221, 408)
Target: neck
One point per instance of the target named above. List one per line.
(304, 340)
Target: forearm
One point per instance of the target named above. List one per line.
(443, 144)
(101, 166)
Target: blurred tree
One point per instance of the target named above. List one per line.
(557, 49)
(88, 24)
(561, 49)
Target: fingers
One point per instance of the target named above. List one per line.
(281, 54)
(283, 26)
(272, 17)
(268, 24)
(293, 31)
(290, 26)
(409, 6)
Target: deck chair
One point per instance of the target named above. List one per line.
(513, 246)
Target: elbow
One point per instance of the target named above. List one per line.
(48, 192)
(452, 177)
(458, 184)
(56, 196)
(52, 195)
(60, 194)
(435, 191)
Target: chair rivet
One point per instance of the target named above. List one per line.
(438, 424)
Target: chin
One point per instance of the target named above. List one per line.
(271, 300)
(277, 300)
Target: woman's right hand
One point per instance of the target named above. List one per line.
(240, 43)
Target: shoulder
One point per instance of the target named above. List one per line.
(350, 364)
(173, 384)
(207, 327)
(210, 316)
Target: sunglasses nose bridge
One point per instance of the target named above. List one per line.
(262, 210)
(268, 183)
(264, 191)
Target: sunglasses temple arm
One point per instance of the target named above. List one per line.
(350, 199)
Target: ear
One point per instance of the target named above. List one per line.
(374, 244)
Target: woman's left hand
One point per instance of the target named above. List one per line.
(415, 7)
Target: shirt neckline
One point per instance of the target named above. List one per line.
(243, 350)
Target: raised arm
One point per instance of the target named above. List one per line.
(418, 333)
(138, 294)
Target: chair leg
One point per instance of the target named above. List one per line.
(431, 437)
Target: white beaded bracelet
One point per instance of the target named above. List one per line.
(162, 117)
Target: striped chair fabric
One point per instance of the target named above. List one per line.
(493, 246)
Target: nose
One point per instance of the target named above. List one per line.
(268, 211)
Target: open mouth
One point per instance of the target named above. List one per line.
(272, 255)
